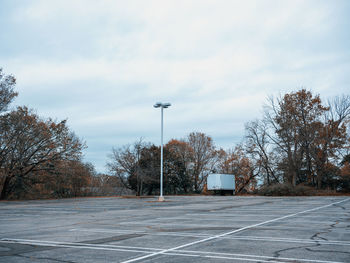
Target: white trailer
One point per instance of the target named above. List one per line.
(221, 183)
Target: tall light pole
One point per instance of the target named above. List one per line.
(161, 106)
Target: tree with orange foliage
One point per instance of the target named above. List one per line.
(345, 174)
(332, 137)
(178, 159)
(307, 135)
(295, 120)
(29, 144)
(237, 163)
(33, 148)
(67, 178)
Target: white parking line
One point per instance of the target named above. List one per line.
(79, 245)
(228, 219)
(238, 214)
(286, 225)
(186, 253)
(230, 232)
(143, 223)
(290, 240)
(198, 235)
(180, 234)
(251, 257)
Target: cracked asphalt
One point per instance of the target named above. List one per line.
(182, 229)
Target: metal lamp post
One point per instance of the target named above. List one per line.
(161, 106)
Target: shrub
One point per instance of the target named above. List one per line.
(285, 190)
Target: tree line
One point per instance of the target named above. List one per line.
(187, 163)
(38, 157)
(300, 140)
(43, 158)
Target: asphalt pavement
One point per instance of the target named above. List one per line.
(182, 229)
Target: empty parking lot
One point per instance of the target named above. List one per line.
(182, 229)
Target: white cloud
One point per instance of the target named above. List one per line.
(103, 64)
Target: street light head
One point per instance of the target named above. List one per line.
(157, 105)
(163, 105)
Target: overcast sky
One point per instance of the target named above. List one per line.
(103, 64)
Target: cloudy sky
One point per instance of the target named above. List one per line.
(103, 64)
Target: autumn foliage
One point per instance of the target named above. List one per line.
(38, 157)
(187, 164)
(300, 140)
(300, 145)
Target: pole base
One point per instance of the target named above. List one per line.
(161, 199)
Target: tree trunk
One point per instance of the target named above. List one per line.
(4, 190)
(294, 179)
(141, 187)
(268, 178)
(319, 179)
(196, 183)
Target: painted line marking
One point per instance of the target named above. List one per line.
(230, 219)
(171, 224)
(198, 235)
(186, 253)
(79, 245)
(286, 225)
(254, 257)
(182, 234)
(237, 214)
(231, 232)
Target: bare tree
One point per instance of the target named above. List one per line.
(203, 154)
(7, 93)
(124, 163)
(332, 138)
(258, 147)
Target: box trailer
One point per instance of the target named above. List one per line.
(221, 183)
